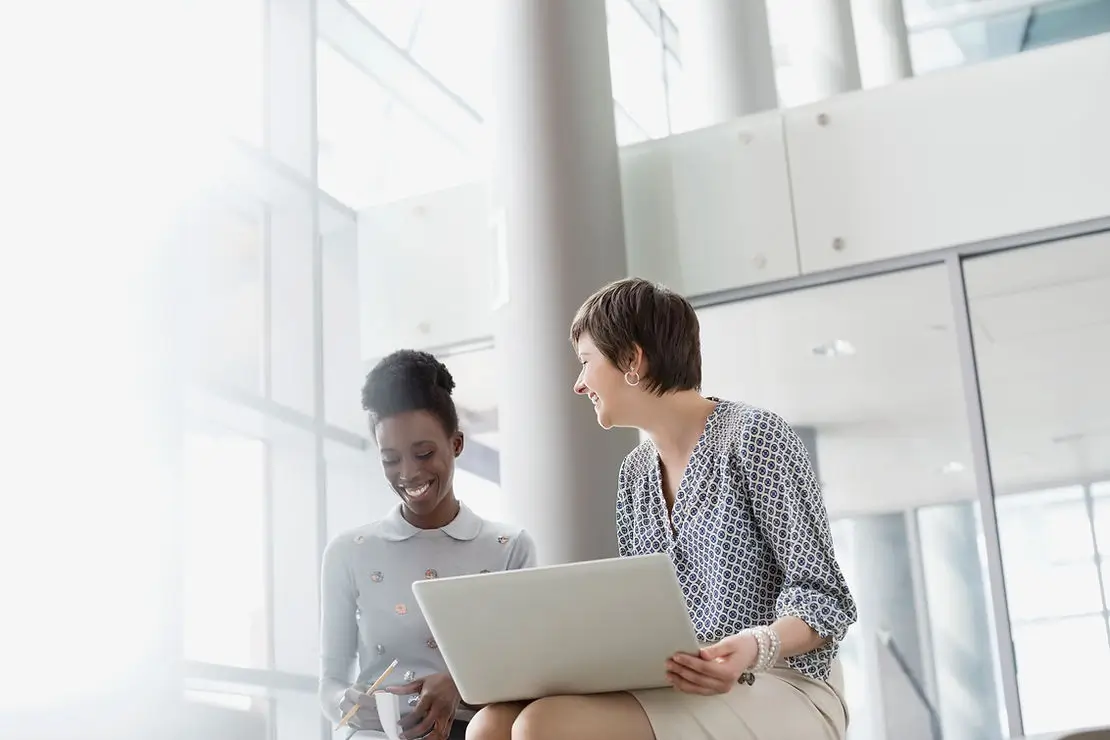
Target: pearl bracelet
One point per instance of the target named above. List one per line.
(769, 648)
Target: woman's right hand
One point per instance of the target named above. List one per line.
(366, 718)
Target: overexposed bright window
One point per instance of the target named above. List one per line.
(1047, 703)
(1048, 554)
(1100, 493)
(373, 147)
(454, 41)
(396, 19)
(483, 496)
(226, 79)
(224, 550)
(1055, 603)
(636, 64)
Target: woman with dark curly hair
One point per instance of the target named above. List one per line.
(367, 606)
(726, 490)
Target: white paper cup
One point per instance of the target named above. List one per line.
(389, 712)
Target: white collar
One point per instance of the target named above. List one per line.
(465, 526)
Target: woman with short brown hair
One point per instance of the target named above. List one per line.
(727, 491)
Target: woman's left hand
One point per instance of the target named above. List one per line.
(715, 669)
(434, 714)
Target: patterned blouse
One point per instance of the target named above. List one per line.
(750, 539)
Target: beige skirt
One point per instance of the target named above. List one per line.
(781, 704)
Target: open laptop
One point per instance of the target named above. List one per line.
(582, 628)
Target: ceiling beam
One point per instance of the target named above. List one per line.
(357, 39)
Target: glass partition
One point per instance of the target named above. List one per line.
(867, 371)
(1041, 327)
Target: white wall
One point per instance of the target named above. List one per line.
(426, 271)
(979, 152)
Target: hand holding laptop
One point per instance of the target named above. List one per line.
(714, 670)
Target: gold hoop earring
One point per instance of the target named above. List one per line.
(632, 378)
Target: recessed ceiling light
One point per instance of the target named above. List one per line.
(835, 348)
(953, 467)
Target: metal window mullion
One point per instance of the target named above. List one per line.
(267, 305)
(666, 77)
(269, 573)
(1089, 506)
(921, 604)
(270, 576)
(220, 678)
(286, 415)
(320, 427)
(985, 487)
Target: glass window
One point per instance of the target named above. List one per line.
(628, 131)
(343, 367)
(351, 113)
(853, 656)
(225, 83)
(293, 231)
(480, 494)
(1100, 504)
(1047, 699)
(453, 41)
(214, 714)
(373, 147)
(265, 714)
(224, 241)
(224, 560)
(357, 489)
(1100, 493)
(396, 20)
(477, 472)
(999, 34)
(960, 632)
(1048, 554)
(679, 114)
(636, 64)
(877, 397)
(935, 49)
(297, 540)
(475, 389)
(297, 717)
(1041, 327)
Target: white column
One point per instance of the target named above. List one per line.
(293, 222)
(291, 84)
(884, 47)
(557, 200)
(822, 42)
(295, 467)
(726, 58)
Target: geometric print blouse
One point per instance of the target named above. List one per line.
(748, 535)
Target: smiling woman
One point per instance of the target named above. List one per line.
(367, 605)
(416, 426)
(726, 489)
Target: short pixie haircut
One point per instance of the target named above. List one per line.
(636, 312)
